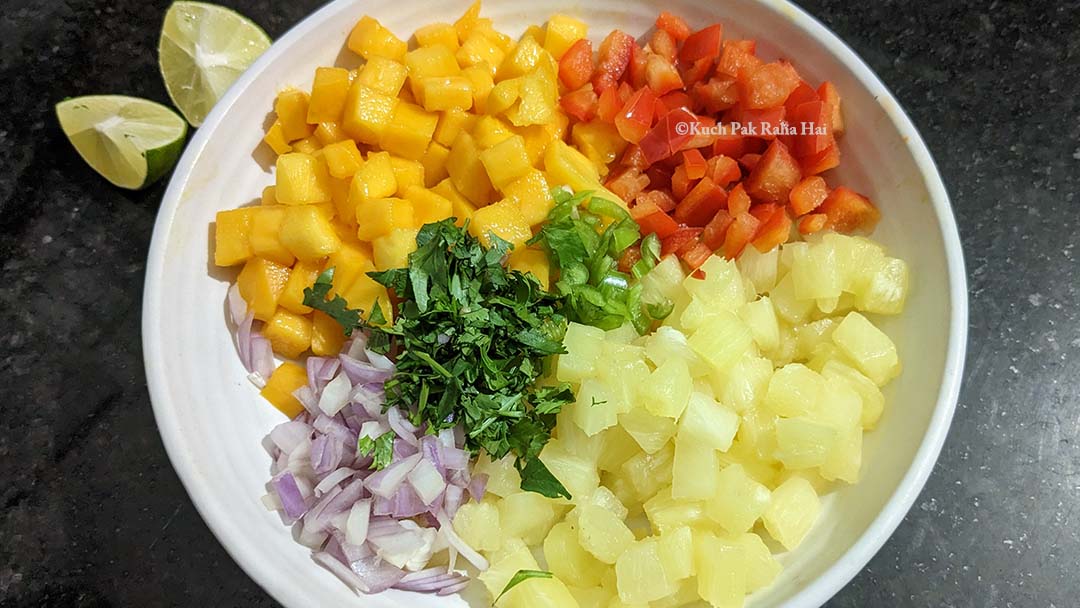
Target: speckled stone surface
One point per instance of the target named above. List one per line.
(91, 513)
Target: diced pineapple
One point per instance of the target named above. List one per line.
(603, 497)
(722, 570)
(815, 271)
(868, 347)
(677, 553)
(694, 470)
(591, 597)
(873, 402)
(886, 290)
(788, 307)
(739, 500)
(503, 478)
(617, 446)
(759, 268)
(844, 460)
(539, 593)
(722, 341)
(761, 566)
(568, 560)
(722, 288)
(478, 524)
(526, 515)
(794, 390)
(301, 179)
(743, 385)
(667, 390)
(640, 573)
(707, 423)
(602, 534)
(760, 317)
(810, 336)
(651, 432)
(792, 510)
(289, 333)
(576, 474)
(561, 32)
(650, 472)
(595, 409)
(663, 283)
(803, 443)
(583, 344)
(839, 406)
(666, 514)
(668, 343)
(369, 38)
(504, 564)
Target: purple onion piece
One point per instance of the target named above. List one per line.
(292, 501)
(360, 372)
(478, 486)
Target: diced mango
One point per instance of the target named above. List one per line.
(343, 158)
(352, 260)
(533, 196)
(330, 132)
(438, 93)
(309, 145)
(369, 38)
(265, 234)
(303, 275)
(502, 219)
(328, 95)
(363, 294)
(327, 337)
(261, 282)
(467, 172)
(275, 138)
(428, 205)
(383, 75)
(232, 231)
(374, 180)
(427, 62)
(451, 123)
(367, 112)
(437, 34)
(289, 333)
(301, 179)
(532, 261)
(409, 131)
(434, 163)
(506, 161)
(599, 141)
(490, 131)
(308, 233)
(522, 59)
(463, 209)
(291, 107)
(562, 32)
(392, 249)
(339, 197)
(379, 216)
(537, 138)
(269, 196)
(407, 174)
(566, 166)
(281, 385)
(539, 98)
(478, 49)
(480, 77)
(503, 96)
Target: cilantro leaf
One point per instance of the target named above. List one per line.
(336, 308)
(382, 447)
(535, 477)
(520, 577)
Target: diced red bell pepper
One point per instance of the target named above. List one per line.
(625, 92)
(716, 95)
(763, 211)
(576, 65)
(809, 224)
(704, 137)
(629, 257)
(723, 170)
(802, 94)
(636, 116)
(732, 145)
(581, 104)
(774, 176)
(674, 25)
(831, 96)
(667, 136)
(829, 158)
(773, 231)
(716, 230)
(613, 57)
(814, 126)
(659, 176)
(661, 75)
(681, 183)
(652, 220)
(675, 100)
(738, 200)
(767, 85)
(696, 255)
(608, 106)
(764, 124)
(627, 183)
(738, 234)
(702, 44)
(696, 72)
(635, 71)
(663, 44)
(633, 157)
(807, 195)
(849, 211)
(701, 204)
(677, 239)
(734, 59)
(695, 163)
(749, 46)
(662, 199)
(749, 161)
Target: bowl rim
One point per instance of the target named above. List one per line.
(820, 589)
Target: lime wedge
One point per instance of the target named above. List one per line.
(203, 49)
(129, 141)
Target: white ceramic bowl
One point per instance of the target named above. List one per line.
(212, 420)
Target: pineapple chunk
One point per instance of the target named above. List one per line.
(677, 553)
(576, 474)
(722, 340)
(759, 268)
(722, 570)
(707, 423)
(583, 344)
(694, 470)
(760, 317)
(595, 409)
(739, 500)
(744, 384)
(666, 514)
(792, 510)
(505, 563)
(844, 460)
(640, 573)
(869, 347)
(788, 307)
(503, 478)
(667, 390)
(886, 290)
(649, 431)
(762, 567)
(478, 524)
(616, 447)
(526, 515)
(873, 402)
(815, 271)
(723, 288)
(568, 560)
(803, 443)
(602, 534)
(794, 390)
(539, 593)
(649, 472)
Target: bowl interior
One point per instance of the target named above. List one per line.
(213, 420)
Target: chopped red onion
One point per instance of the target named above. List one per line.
(333, 479)
(292, 501)
(478, 486)
(357, 347)
(308, 399)
(470, 554)
(379, 361)
(385, 482)
(330, 426)
(335, 395)
(451, 589)
(371, 398)
(361, 372)
(287, 435)
(453, 496)
(356, 527)
(427, 481)
(262, 356)
(403, 449)
(404, 429)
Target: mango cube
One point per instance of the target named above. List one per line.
(330, 132)
(232, 231)
(561, 33)
(434, 163)
(430, 61)
(383, 75)
(531, 261)
(482, 81)
(364, 293)
(467, 172)
(451, 123)
(291, 107)
(367, 113)
(409, 131)
(261, 282)
(281, 385)
(478, 49)
(438, 93)
(275, 138)
(374, 180)
(502, 219)
(301, 179)
(265, 236)
(303, 275)
(309, 145)
(369, 38)
(407, 174)
(463, 209)
(539, 98)
(392, 249)
(437, 34)
(379, 216)
(428, 205)
(327, 336)
(506, 161)
(566, 166)
(503, 96)
(489, 131)
(289, 333)
(328, 95)
(343, 159)
(532, 194)
(600, 141)
(349, 262)
(308, 234)
(521, 60)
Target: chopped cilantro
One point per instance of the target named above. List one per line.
(382, 447)
(520, 577)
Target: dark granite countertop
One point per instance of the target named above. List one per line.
(92, 514)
